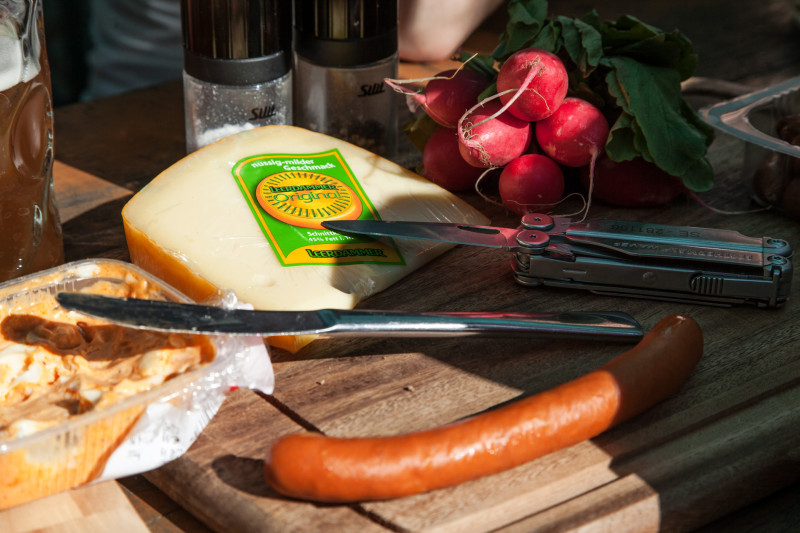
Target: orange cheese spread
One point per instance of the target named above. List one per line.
(57, 364)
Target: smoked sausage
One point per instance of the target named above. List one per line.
(326, 469)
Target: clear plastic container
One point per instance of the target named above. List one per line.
(135, 433)
(771, 164)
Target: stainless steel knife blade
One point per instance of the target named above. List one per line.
(493, 237)
(192, 318)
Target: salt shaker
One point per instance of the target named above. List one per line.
(237, 67)
(344, 49)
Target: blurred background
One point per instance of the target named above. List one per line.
(718, 29)
(67, 33)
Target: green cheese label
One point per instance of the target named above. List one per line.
(290, 195)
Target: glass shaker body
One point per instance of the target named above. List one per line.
(236, 67)
(30, 228)
(350, 103)
(216, 110)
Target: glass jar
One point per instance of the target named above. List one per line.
(30, 229)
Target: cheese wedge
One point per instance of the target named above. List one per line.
(243, 215)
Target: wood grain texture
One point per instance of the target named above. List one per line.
(98, 507)
(78, 192)
(728, 438)
(220, 479)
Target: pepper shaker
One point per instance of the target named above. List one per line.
(344, 49)
(237, 67)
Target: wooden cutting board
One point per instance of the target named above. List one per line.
(100, 507)
(726, 439)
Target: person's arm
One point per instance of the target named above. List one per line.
(431, 30)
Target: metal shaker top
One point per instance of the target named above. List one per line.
(345, 33)
(236, 42)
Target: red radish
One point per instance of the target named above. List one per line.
(634, 183)
(543, 77)
(447, 95)
(442, 163)
(451, 93)
(531, 183)
(488, 138)
(574, 134)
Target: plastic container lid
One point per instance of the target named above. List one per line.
(751, 117)
(236, 42)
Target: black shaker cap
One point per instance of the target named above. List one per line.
(236, 42)
(345, 33)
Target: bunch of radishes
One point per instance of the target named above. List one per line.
(530, 129)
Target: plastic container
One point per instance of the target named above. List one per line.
(135, 433)
(771, 163)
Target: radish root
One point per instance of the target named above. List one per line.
(595, 155)
(464, 129)
(719, 211)
(480, 192)
(551, 205)
(416, 98)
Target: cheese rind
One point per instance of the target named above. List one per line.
(192, 227)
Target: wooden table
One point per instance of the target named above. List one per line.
(728, 439)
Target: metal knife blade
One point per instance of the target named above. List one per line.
(493, 237)
(192, 318)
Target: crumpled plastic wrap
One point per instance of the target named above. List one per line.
(169, 426)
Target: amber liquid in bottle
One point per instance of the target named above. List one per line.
(30, 229)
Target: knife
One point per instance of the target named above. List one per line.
(453, 233)
(193, 318)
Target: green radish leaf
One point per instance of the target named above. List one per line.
(699, 177)
(619, 145)
(419, 130)
(481, 63)
(583, 42)
(694, 119)
(525, 19)
(630, 37)
(548, 38)
(652, 96)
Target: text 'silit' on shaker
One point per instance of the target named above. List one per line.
(344, 49)
(237, 67)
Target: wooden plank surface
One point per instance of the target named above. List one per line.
(99, 507)
(78, 192)
(727, 439)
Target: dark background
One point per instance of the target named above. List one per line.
(67, 35)
(718, 29)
